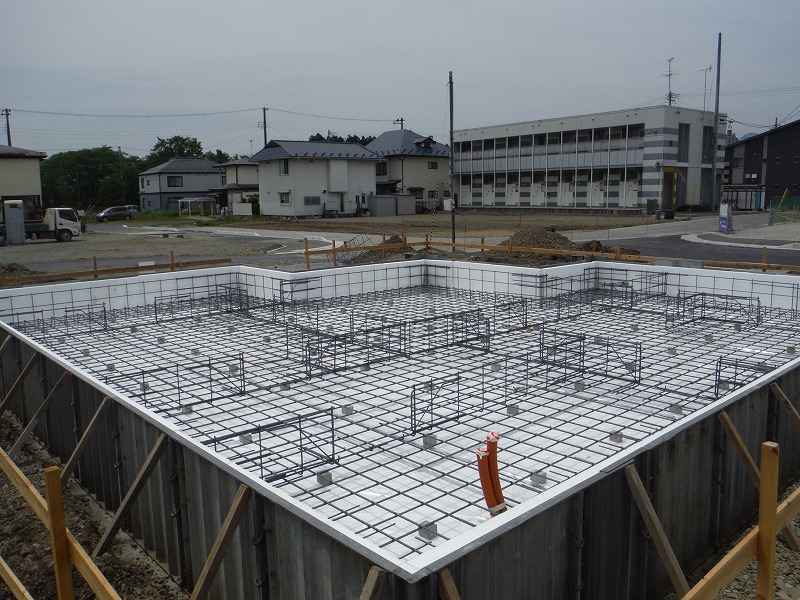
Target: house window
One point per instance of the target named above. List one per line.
(311, 200)
(174, 181)
(797, 159)
(283, 167)
(141, 182)
(433, 194)
(433, 164)
(284, 196)
(381, 168)
(777, 160)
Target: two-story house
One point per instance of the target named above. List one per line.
(239, 181)
(164, 185)
(314, 178)
(411, 164)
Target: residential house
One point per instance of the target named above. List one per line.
(239, 181)
(164, 185)
(298, 179)
(762, 169)
(654, 157)
(20, 177)
(411, 164)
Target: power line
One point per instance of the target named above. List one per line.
(202, 114)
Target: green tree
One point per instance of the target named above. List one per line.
(177, 146)
(218, 156)
(82, 178)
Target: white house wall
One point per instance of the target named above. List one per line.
(413, 171)
(20, 177)
(313, 178)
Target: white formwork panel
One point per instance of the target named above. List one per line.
(350, 392)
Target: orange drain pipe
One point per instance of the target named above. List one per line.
(489, 493)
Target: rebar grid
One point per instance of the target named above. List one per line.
(366, 407)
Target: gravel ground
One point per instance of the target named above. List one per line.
(25, 542)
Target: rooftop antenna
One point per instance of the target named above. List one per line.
(671, 98)
(399, 121)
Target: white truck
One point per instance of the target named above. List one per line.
(56, 223)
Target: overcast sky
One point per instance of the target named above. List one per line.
(358, 65)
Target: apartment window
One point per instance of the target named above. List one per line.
(311, 201)
(381, 168)
(433, 194)
(284, 196)
(683, 142)
(283, 167)
(174, 181)
(433, 164)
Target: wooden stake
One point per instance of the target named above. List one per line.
(86, 567)
(764, 258)
(333, 249)
(373, 586)
(768, 498)
(133, 492)
(172, 260)
(13, 583)
(308, 259)
(656, 531)
(94, 266)
(82, 443)
(447, 586)
(788, 533)
(58, 533)
(65, 377)
(383, 247)
(483, 248)
(18, 383)
(784, 400)
(220, 547)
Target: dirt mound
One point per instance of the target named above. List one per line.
(595, 246)
(540, 237)
(15, 270)
(373, 256)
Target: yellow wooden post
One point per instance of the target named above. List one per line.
(767, 529)
(426, 242)
(308, 258)
(764, 258)
(483, 250)
(333, 249)
(58, 533)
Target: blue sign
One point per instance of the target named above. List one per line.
(724, 225)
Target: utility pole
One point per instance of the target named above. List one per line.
(452, 171)
(400, 121)
(714, 189)
(121, 178)
(264, 124)
(7, 113)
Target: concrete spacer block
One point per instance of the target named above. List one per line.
(539, 478)
(325, 478)
(615, 436)
(348, 410)
(428, 530)
(429, 440)
(246, 438)
(512, 410)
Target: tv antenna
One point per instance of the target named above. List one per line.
(671, 98)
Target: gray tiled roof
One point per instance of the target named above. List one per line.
(404, 142)
(184, 165)
(14, 152)
(278, 149)
(247, 162)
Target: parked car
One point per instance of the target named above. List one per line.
(114, 213)
(133, 207)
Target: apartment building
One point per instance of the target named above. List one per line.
(654, 157)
